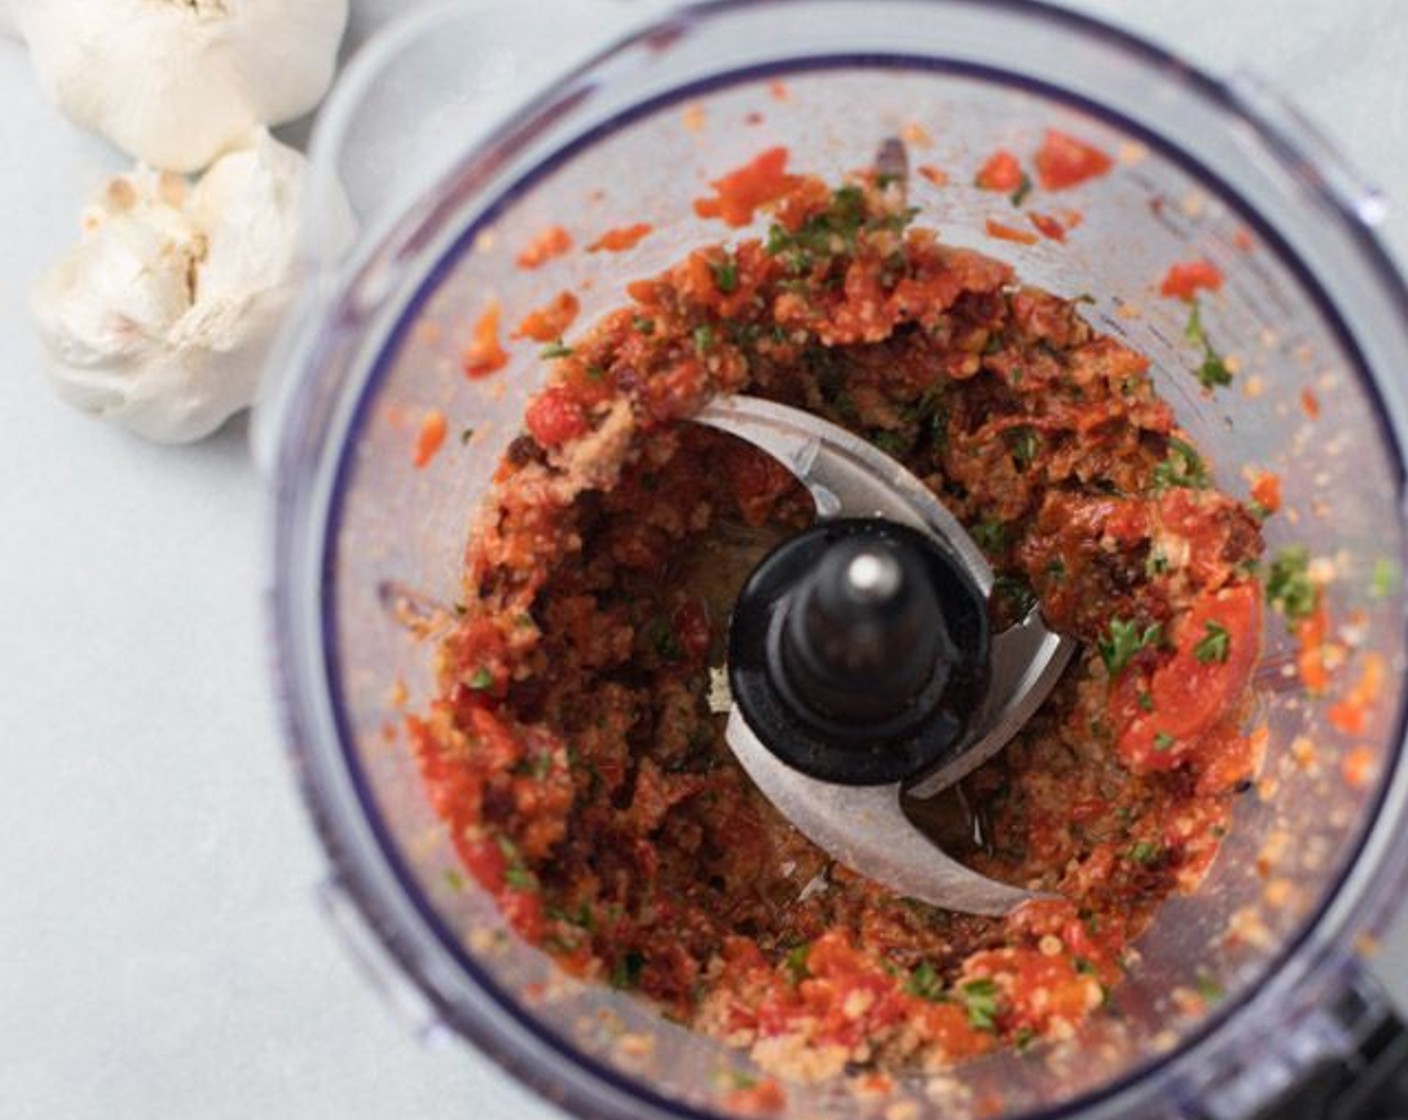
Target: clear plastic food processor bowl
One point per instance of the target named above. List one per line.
(449, 180)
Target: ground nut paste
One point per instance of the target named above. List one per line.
(573, 751)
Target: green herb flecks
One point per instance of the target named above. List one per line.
(582, 918)
(521, 879)
(891, 443)
(1184, 467)
(1288, 585)
(1125, 639)
(924, 983)
(834, 231)
(990, 535)
(625, 972)
(1214, 645)
(661, 636)
(1163, 741)
(1213, 371)
(1385, 579)
(1024, 188)
(1208, 987)
(555, 350)
(1156, 563)
(980, 1000)
(1145, 852)
(703, 337)
(516, 873)
(641, 325)
(725, 274)
(536, 766)
(1015, 593)
(481, 680)
(795, 962)
(1025, 444)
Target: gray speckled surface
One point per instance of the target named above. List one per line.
(160, 952)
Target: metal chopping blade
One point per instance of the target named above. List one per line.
(863, 826)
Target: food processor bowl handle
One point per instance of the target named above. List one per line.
(1345, 1060)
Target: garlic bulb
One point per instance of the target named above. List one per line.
(161, 317)
(177, 82)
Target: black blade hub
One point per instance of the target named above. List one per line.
(859, 652)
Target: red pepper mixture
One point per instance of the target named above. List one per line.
(573, 751)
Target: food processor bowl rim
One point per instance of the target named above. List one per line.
(294, 474)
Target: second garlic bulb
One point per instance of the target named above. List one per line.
(160, 319)
(176, 82)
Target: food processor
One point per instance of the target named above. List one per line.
(1248, 996)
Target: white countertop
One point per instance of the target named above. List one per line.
(160, 951)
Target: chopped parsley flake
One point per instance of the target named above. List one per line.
(1024, 443)
(989, 535)
(1016, 593)
(555, 350)
(1208, 987)
(625, 973)
(1183, 467)
(642, 325)
(1385, 579)
(481, 680)
(1213, 371)
(891, 443)
(979, 999)
(1163, 741)
(725, 274)
(1215, 644)
(834, 230)
(1156, 563)
(703, 337)
(1144, 851)
(661, 636)
(795, 962)
(521, 879)
(466, 435)
(1124, 641)
(924, 983)
(516, 875)
(582, 918)
(1288, 586)
(1024, 188)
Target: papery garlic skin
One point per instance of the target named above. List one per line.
(176, 82)
(161, 318)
